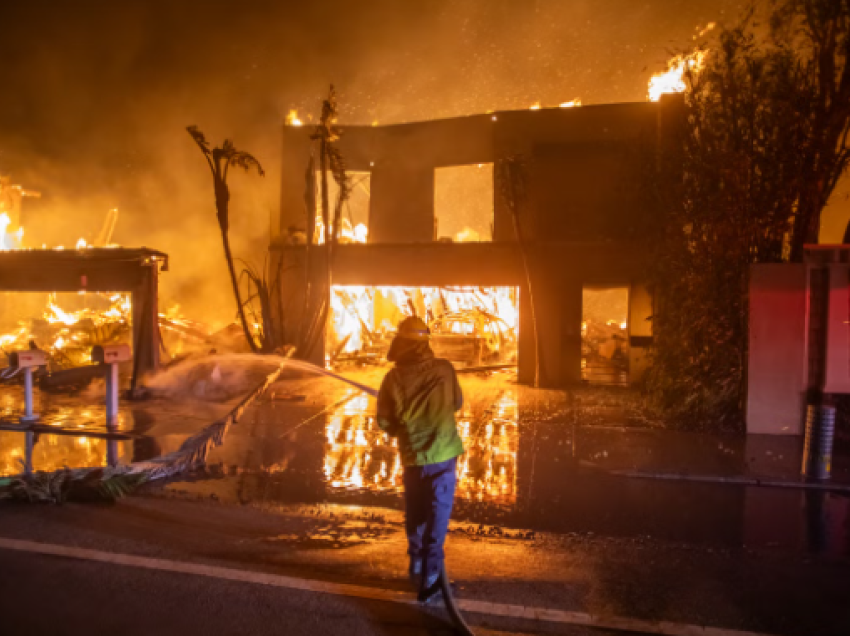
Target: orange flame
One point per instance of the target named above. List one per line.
(673, 79)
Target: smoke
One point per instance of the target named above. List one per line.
(97, 95)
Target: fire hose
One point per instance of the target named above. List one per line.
(451, 605)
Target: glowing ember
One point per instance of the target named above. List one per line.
(535, 106)
(572, 103)
(673, 79)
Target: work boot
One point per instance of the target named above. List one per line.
(414, 571)
(430, 588)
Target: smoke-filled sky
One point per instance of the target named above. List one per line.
(96, 95)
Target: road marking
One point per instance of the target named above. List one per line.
(541, 614)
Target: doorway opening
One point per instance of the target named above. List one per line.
(605, 335)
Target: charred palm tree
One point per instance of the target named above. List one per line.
(326, 135)
(220, 160)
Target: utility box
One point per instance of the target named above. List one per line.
(799, 338)
(776, 372)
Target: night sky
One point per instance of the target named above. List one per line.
(96, 95)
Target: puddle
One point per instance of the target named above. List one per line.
(72, 430)
(359, 456)
(522, 470)
(534, 460)
(54, 452)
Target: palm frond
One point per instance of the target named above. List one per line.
(199, 138)
(246, 161)
(119, 486)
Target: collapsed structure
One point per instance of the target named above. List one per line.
(134, 272)
(427, 231)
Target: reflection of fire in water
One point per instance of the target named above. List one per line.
(358, 454)
(487, 470)
(469, 325)
(53, 452)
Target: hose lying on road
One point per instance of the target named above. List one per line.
(451, 606)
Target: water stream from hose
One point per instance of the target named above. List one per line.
(222, 377)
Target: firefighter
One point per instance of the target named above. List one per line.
(417, 404)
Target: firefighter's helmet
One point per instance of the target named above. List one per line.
(413, 328)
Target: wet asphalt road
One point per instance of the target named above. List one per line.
(55, 596)
(772, 592)
(310, 493)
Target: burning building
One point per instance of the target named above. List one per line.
(96, 294)
(537, 266)
(124, 281)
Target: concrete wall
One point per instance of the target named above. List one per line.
(640, 331)
(777, 349)
(584, 168)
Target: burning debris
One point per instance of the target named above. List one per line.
(605, 352)
(68, 335)
(471, 326)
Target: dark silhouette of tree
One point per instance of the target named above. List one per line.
(762, 146)
(220, 160)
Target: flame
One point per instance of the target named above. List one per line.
(54, 313)
(69, 335)
(535, 106)
(118, 311)
(363, 319)
(292, 118)
(15, 240)
(572, 103)
(347, 234)
(673, 79)
(467, 235)
(4, 223)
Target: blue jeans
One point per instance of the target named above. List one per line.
(428, 497)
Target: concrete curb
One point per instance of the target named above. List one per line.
(732, 480)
